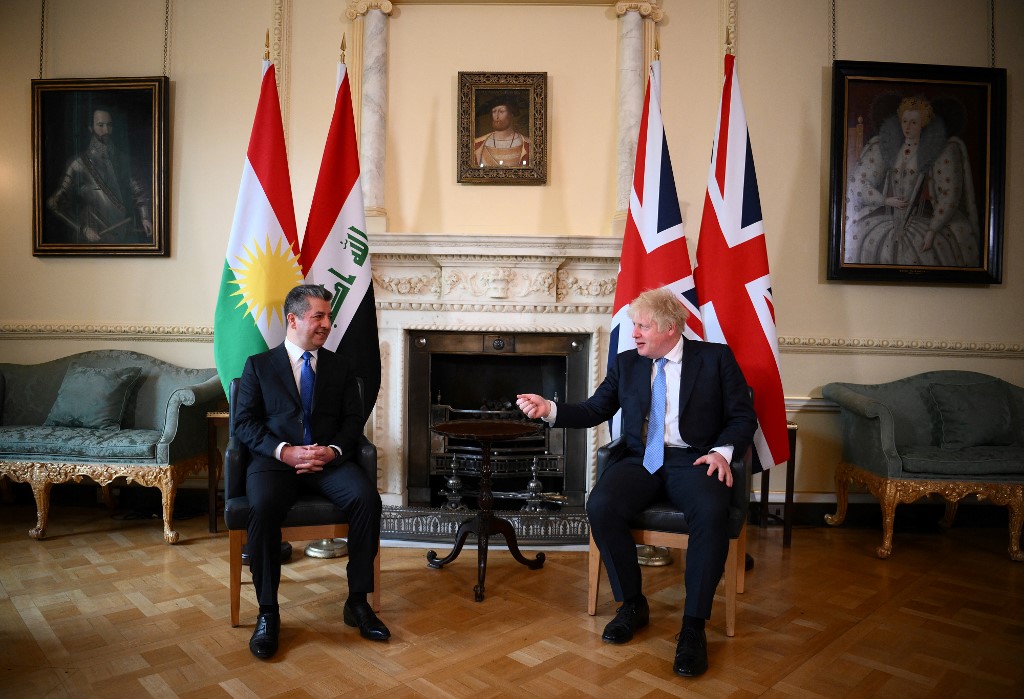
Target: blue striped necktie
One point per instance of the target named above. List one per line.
(654, 452)
(306, 393)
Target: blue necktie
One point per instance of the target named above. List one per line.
(306, 393)
(654, 452)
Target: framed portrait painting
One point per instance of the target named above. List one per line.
(502, 128)
(917, 173)
(100, 178)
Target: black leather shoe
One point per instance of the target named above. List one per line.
(629, 618)
(748, 562)
(361, 615)
(263, 643)
(691, 653)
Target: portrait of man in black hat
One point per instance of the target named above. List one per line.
(505, 145)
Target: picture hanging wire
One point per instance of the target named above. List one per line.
(991, 32)
(167, 35)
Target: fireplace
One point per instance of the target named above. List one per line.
(456, 375)
(496, 304)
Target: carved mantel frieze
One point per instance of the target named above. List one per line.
(539, 274)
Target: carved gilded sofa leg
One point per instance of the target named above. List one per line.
(1016, 520)
(888, 499)
(950, 514)
(843, 476)
(168, 489)
(41, 492)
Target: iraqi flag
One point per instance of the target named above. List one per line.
(336, 248)
(732, 272)
(261, 264)
(654, 251)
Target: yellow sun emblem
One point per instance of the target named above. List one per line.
(265, 277)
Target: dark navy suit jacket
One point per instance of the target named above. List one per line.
(714, 401)
(270, 410)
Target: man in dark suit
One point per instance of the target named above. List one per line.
(679, 445)
(300, 414)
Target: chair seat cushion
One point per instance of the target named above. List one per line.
(663, 517)
(308, 510)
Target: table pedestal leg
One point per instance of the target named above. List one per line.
(484, 524)
(470, 526)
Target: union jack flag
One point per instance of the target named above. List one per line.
(732, 272)
(654, 251)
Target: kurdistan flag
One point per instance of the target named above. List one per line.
(261, 265)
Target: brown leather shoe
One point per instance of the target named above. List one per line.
(629, 618)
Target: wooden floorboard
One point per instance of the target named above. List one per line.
(104, 608)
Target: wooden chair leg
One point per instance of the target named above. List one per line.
(733, 565)
(593, 577)
(235, 574)
(741, 553)
(375, 598)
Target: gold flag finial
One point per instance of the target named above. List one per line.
(657, 49)
(266, 47)
(343, 47)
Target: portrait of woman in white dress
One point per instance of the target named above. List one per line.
(910, 197)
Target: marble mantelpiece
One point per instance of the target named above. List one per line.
(481, 283)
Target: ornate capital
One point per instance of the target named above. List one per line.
(358, 8)
(650, 10)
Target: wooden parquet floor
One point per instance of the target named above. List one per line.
(103, 608)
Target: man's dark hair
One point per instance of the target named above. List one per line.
(297, 300)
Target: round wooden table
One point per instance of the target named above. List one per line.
(484, 523)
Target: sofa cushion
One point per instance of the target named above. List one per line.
(975, 415)
(75, 444)
(93, 397)
(981, 463)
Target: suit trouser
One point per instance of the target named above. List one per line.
(626, 488)
(272, 492)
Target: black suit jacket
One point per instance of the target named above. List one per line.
(714, 401)
(270, 410)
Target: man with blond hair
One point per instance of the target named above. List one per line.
(685, 409)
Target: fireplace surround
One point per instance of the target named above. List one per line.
(510, 295)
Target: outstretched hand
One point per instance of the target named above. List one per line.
(532, 405)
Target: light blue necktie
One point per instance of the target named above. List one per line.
(306, 394)
(654, 453)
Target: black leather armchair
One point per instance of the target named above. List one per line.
(311, 517)
(663, 525)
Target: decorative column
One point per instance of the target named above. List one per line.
(636, 51)
(369, 81)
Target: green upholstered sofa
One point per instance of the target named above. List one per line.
(954, 433)
(104, 414)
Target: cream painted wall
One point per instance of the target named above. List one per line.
(783, 58)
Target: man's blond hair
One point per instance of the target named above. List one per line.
(661, 307)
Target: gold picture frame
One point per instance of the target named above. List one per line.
(917, 176)
(502, 122)
(100, 167)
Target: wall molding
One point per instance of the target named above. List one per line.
(106, 332)
(902, 347)
(133, 332)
